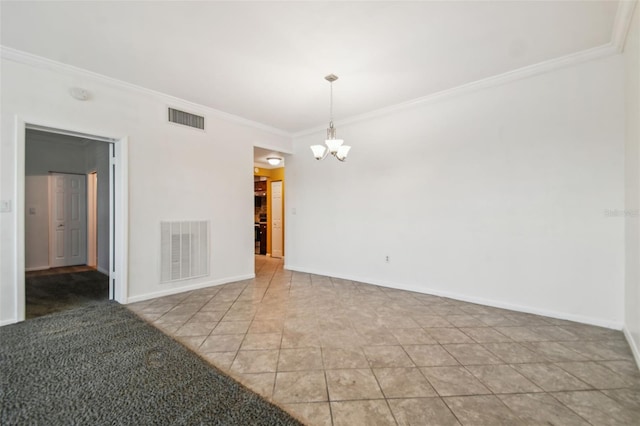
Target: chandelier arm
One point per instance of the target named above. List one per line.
(326, 152)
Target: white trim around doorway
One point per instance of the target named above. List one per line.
(118, 240)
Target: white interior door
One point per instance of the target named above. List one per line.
(68, 220)
(276, 219)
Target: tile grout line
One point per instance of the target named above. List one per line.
(386, 400)
(275, 377)
(567, 407)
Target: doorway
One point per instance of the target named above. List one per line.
(111, 220)
(59, 275)
(260, 213)
(269, 181)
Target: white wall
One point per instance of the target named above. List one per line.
(37, 223)
(175, 173)
(632, 184)
(496, 196)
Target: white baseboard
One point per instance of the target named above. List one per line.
(36, 268)
(168, 292)
(615, 325)
(7, 322)
(198, 286)
(635, 346)
(102, 270)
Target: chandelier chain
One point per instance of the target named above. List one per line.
(331, 104)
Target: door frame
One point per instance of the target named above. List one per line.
(92, 218)
(118, 210)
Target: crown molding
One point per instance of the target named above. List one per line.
(622, 23)
(496, 80)
(19, 56)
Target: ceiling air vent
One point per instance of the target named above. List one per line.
(186, 119)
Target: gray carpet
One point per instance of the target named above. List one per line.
(102, 365)
(46, 294)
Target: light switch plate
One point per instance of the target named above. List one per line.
(5, 206)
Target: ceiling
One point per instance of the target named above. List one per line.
(266, 61)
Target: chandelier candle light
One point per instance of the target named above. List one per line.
(334, 146)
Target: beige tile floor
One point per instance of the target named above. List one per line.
(336, 352)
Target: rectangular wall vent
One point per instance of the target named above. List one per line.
(185, 250)
(186, 119)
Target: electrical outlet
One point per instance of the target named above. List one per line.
(386, 259)
(5, 206)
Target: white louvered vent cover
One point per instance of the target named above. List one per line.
(185, 250)
(186, 118)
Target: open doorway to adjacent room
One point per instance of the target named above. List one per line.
(268, 189)
(67, 221)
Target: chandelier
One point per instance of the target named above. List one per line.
(333, 146)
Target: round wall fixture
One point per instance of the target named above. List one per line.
(79, 93)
